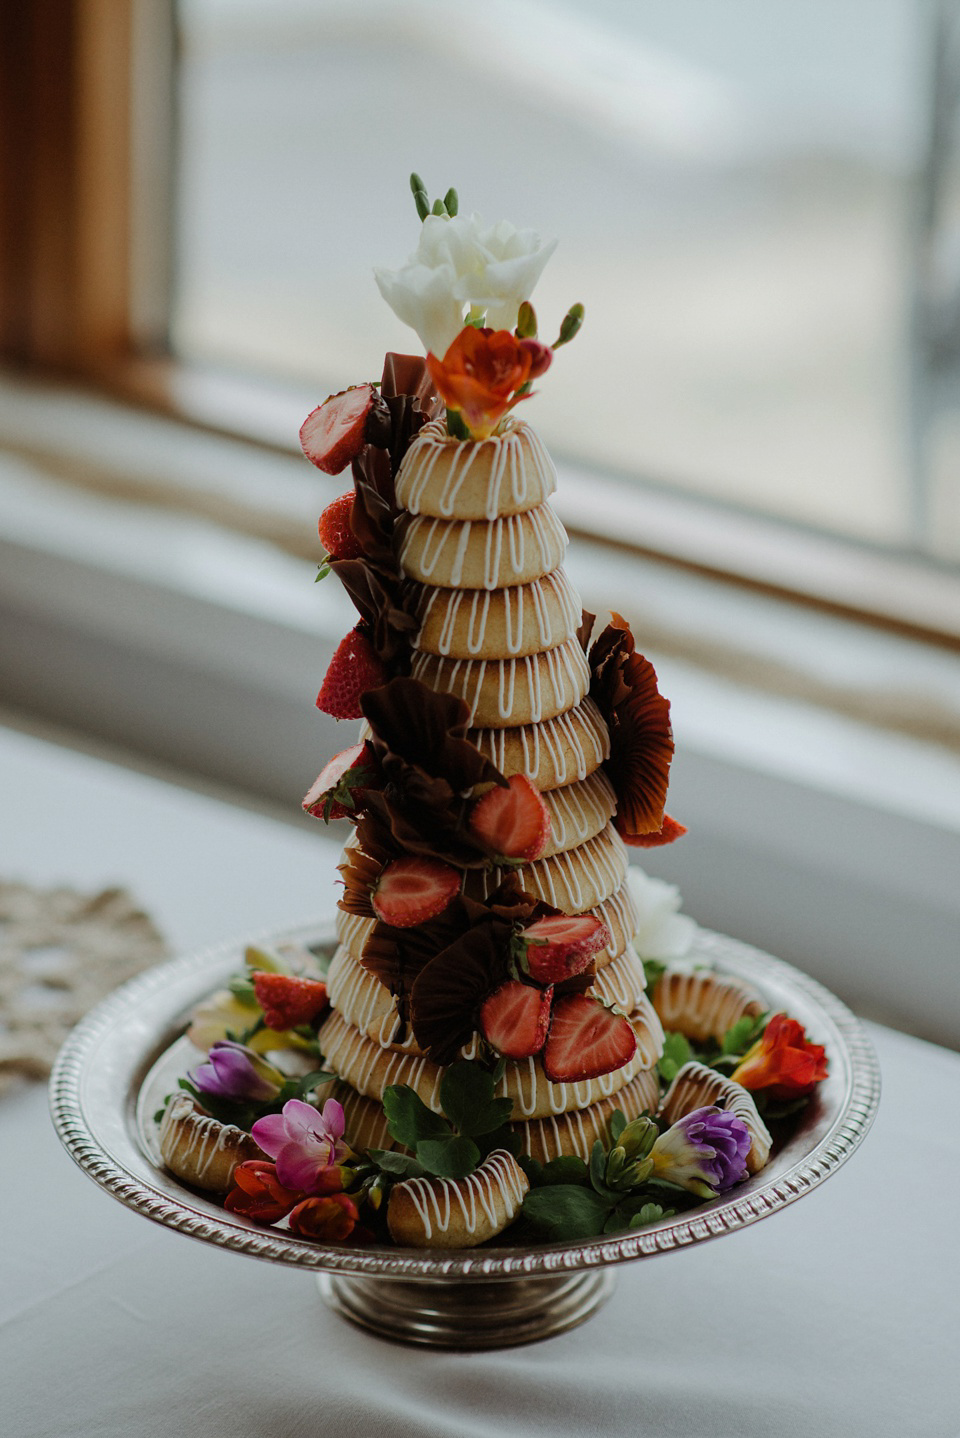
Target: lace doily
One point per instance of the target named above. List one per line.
(61, 952)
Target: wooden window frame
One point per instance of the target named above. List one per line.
(87, 151)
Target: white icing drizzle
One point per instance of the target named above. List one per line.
(435, 1199)
(549, 683)
(434, 550)
(577, 1130)
(532, 617)
(572, 881)
(570, 745)
(580, 810)
(517, 461)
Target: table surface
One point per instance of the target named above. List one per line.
(838, 1316)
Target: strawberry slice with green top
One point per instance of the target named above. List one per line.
(512, 823)
(354, 668)
(337, 792)
(515, 1018)
(586, 1039)
(411, 891)
(561, 946)
(335, 432)
(289, 1001)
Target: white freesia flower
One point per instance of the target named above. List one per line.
(460, 264)
(663, 932)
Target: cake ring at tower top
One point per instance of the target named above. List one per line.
(496, 623)
(505, 474)
(481, 554)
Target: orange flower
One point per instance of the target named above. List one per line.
(330, 1219)
(259, 1194)
(783, 1062)
(481, 372)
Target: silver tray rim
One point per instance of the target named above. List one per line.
(100, 1071)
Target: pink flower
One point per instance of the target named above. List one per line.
(303, 1142)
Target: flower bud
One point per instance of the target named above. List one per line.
(639, 1136)
(451, 202)
(526, 322)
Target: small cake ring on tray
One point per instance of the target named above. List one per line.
(703, 1005)
(201, 1150)
(697, 1086)
(458, 1213)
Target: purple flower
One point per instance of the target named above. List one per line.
(303, 1142)
(705, 1152)
(235, 1072)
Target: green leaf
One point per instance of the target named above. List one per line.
(566, 1169)
(499, 1071)
(741, 1035)
(242, 989)
(504, 1137)
(448, 1157)
(616, 1125)
(403, 1165)
(466, 1097)
(408, 1118)
(322, 571)
(649, 1213)
(313, 1080)
(455, 425)
(676, 1052)
(531, 1167)
(566, 1211)
(654, 970)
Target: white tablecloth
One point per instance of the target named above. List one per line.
(838, 1317)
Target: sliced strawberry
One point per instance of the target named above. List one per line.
(337, 791)
(335, 432)
(513, 823)
(354, 668)
(411, 891)
(288, 1001)
(515, 1019)
(669, 830)
(562, 945)
(336, 536)
(586, 1040)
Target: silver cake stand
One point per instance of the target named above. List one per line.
(122, 1060)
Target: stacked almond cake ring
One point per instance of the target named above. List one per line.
(481, 552)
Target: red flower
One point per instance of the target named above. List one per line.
(330, 1219)
(481, 373)
(783, 1062)
(259, 1194)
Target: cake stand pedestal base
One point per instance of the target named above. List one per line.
(498, 1313)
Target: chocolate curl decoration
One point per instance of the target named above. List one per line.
(408, 390)
(587, 621)
(430, 769)
(624, 686)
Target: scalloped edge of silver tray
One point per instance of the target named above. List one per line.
(99, 1074)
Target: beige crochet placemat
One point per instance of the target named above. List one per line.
(60, 952)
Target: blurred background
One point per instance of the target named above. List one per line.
(757, 430)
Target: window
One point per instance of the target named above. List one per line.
(735, 190)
